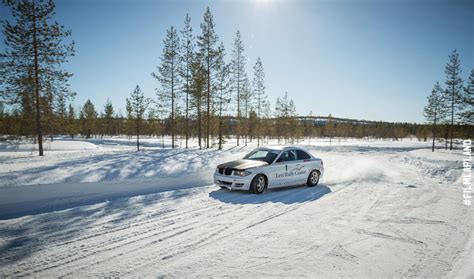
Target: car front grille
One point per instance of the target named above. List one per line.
(226, 171)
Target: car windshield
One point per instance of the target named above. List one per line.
(262, 155)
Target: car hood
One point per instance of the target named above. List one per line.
(243, 164)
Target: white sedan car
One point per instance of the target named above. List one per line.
(270, 167)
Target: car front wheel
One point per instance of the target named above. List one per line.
(313, 178)
(258, 184)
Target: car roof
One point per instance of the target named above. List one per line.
(280, 148)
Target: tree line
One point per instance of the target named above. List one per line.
(452, 104)
(283, 124)
(202, 92)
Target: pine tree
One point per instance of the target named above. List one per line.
(168, 75)
(279, 126)
(88, 119)
(198, 82)
(285, 113)
(467, 105)
(238, 76)
(186, 59)
(222, 92)
(35, 50)
(252, 120)
(137, 106)
(259, 93)
(208, 51)
(454, 86)
(153, 121)
(246, 99)
(294, 126)
(60, 111)
(108, 117)
(330, 128)
(266, 120)
(310, 127)
(129, 121)
(71, 123)
(435, 110)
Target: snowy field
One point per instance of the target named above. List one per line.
(99, 208)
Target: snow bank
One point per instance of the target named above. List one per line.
(31, 185)
(104, 165)
(56, 145)
(438, 155)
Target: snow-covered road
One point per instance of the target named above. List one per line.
(379, 212)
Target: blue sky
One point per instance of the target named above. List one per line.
(374, 60)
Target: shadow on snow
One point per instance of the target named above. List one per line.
(285, 195)
(43, 230)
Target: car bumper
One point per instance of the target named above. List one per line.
(232, 182)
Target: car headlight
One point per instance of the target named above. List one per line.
(241, 173)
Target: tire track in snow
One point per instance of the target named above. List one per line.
(85, 252)
(248, 229)
(201, 240)
(56, 239)
(360, 208)
(93, 248)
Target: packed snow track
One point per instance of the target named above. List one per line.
(379, 212)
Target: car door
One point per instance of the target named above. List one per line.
(277, 173)
(285, 169)
(305, 160)
(296, 170)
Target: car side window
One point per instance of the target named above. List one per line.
(289, 155)
(302, 155)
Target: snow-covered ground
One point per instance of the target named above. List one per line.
(99, 208)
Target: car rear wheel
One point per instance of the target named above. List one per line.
(313, 178)
(258, 184)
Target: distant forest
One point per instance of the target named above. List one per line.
(200, 93)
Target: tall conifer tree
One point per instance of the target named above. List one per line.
(209, 52)
(238, 78)
(137, 104)
(259, 93)
(168, 76)
(35, 49)
(187, 52)
(453, 90)
(435, 110)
